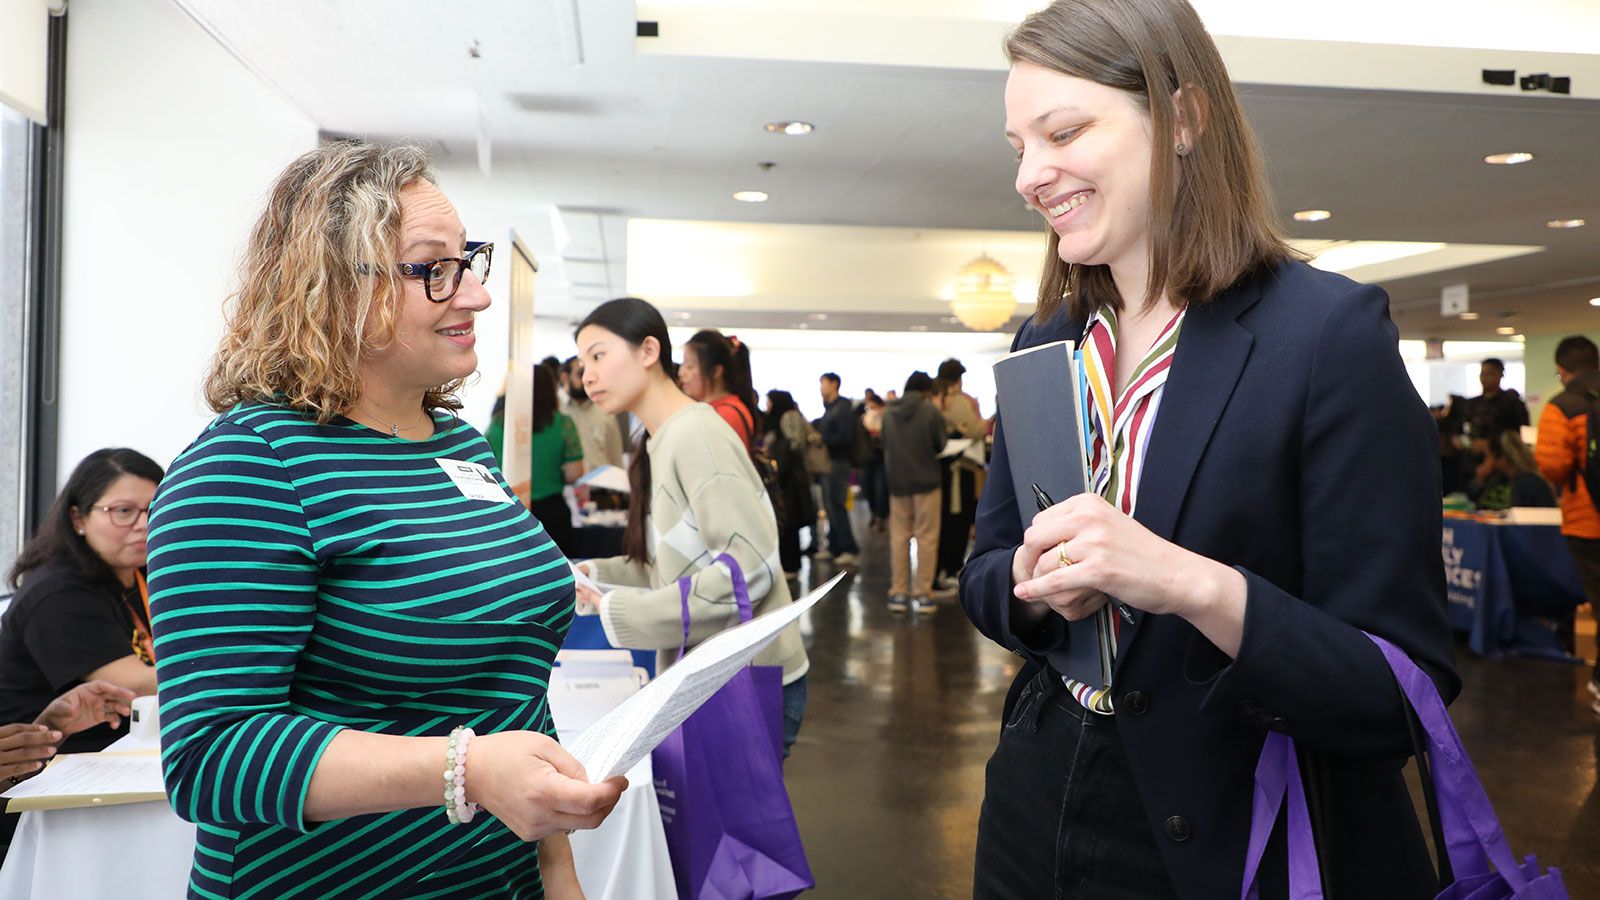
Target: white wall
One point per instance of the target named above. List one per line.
(171, 145)
(24, 54)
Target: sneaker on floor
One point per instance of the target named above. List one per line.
(898, 603)
(944, 593)
(1594, 688)
(845, 559)
(947, 583)
(924, 606)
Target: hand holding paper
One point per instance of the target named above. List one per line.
(628, 733)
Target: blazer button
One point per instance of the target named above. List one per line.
(1137, 703)
(1178, 829)
(1278, 723)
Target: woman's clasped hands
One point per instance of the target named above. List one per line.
(1083, 550)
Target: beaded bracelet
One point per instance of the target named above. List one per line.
(456, 807)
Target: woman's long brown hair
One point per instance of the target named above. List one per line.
(1211, 215)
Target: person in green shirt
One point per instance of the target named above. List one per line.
(557, 461)
(495, 434)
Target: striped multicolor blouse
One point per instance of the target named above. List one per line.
(1119, 430)
(307, 579)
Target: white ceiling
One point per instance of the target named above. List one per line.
(581, 117)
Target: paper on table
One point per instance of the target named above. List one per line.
(610, 478)
(612, 745)
(91, 779)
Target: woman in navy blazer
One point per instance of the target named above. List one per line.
(1288, 502)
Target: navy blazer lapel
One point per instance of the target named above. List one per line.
(1211, 355)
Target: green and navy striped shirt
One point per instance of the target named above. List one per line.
(310, 578)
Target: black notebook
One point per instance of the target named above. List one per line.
(1040, 405)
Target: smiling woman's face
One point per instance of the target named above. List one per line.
(435, 343)
(1083, 163)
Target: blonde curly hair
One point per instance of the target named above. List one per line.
(318, 288)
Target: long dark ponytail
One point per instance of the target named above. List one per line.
(633, 320)
(713, 350)
(57, 541)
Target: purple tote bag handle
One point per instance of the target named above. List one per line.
(741, 596)
(1473, 837)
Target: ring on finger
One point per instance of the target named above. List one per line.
(1061, 555)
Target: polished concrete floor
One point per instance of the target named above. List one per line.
(888, 775)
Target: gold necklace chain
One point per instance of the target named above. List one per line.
(395, 428)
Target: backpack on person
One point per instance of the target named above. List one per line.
(818, 460)
(766, 468)
(1591, 449)
(861, 447)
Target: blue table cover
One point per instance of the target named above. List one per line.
(1501, 579)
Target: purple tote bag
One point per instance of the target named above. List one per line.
(730, 829)
(1473, 839)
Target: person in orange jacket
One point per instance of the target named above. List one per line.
(1561, 453)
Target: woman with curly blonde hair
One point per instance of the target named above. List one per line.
(345, 595)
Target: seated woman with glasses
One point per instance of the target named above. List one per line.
(80, 612)
(348, 601)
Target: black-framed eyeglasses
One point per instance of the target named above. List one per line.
(441, 278)
(123, 514)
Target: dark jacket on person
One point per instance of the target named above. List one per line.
(1492, 416)
(838, 427)
(1291, 445)
(913, 435)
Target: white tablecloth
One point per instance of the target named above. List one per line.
(143, 850)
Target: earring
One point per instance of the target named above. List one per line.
(1183, 149)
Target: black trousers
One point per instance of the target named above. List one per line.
(1586, 553)
(1061, 816)
(956, 527)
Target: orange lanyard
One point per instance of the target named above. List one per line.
(143, 641)
(144, 592)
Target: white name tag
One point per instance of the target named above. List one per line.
(474, 481)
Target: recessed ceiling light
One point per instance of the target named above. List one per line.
(819, 317)
(681, 316)
(751, 196)
(1565, 223)
(803, 325)
(1508, 159)
(793, 128)
(1313, 215)
(1469, 317)
(1594, 301)
(950, 320)
(1505, 329)
(919, 328)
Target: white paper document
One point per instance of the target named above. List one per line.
(84, 779)
(610, 478)
(955, 447)
(612, 745)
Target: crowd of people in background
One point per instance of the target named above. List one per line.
(1486, 465)
(914, 457)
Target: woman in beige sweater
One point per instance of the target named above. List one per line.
(695, 496)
